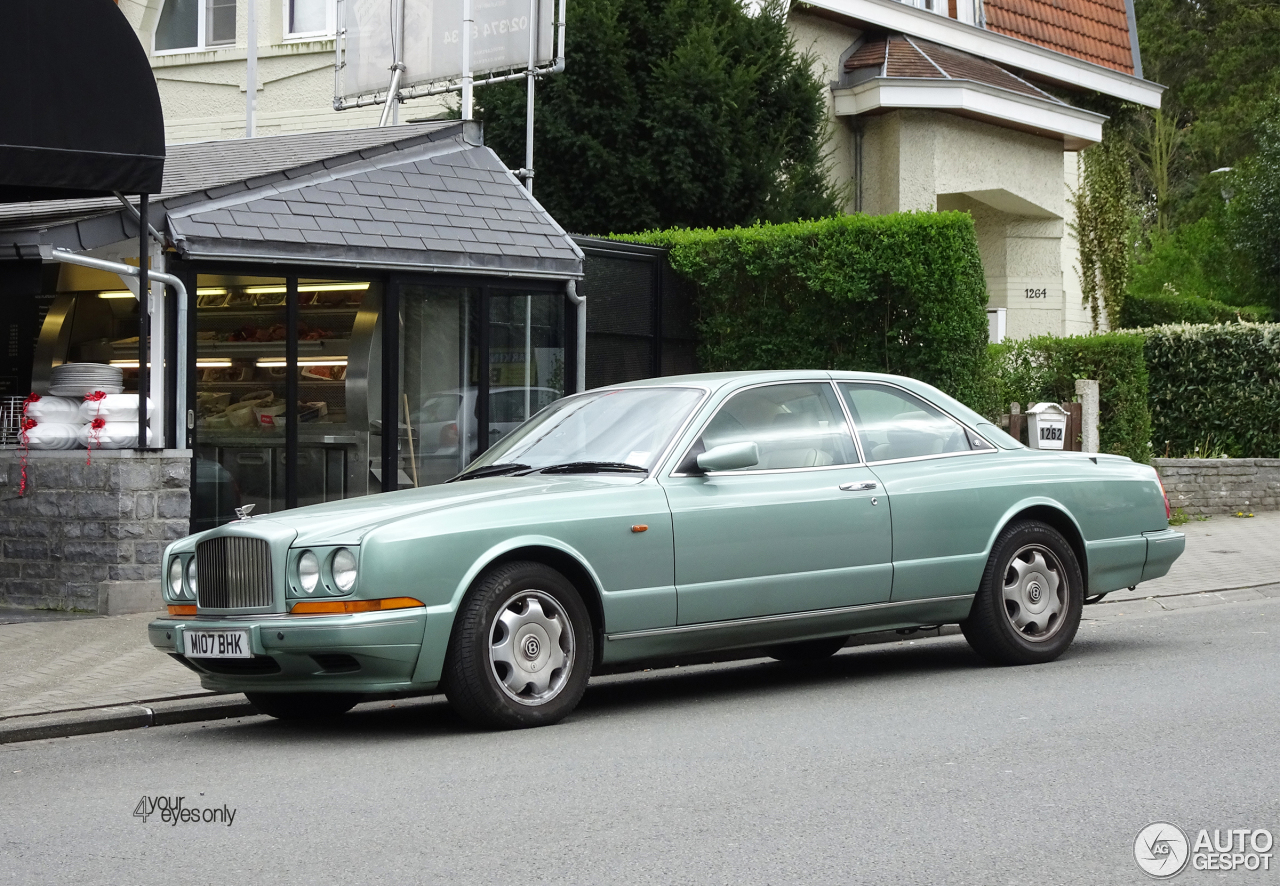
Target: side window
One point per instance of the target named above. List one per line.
(794, 426)
(894, 424)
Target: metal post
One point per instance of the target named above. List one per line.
(468, 111)
(251, 73)
(144, 321)
(390, 109)
(528, 111)
(291, 392)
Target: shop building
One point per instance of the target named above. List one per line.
(366, 311)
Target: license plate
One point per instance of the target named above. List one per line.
(217, 644)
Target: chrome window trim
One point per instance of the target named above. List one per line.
(894, 461)
(748, 473)
(781, 616)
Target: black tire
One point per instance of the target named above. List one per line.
(303, 705)
(807, 650)
(502, 651)
(1027, 610)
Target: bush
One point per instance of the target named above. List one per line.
(901, 293)
(1045, 369)
(1159, 309)
(1218, 384)
(1198, 263)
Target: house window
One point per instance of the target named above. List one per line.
(195, 24)
(309, 18)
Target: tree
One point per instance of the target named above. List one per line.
(689, 113)
(1221, 62)
(1254, 210)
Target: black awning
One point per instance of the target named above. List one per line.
(84, 117)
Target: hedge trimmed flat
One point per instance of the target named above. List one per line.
(781, 510)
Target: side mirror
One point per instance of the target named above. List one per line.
(730, 457)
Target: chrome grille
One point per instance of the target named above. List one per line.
(233, 573)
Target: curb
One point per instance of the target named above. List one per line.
(118, 717)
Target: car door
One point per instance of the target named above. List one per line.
(803, 529)
(942, 487)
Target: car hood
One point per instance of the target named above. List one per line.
(349, 520)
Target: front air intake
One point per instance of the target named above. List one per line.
(233, 573)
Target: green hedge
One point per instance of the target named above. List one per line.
(1158, 309)
(1045, 369)
(1220, 383)
(901, 293)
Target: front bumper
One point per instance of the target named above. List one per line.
(363, 652)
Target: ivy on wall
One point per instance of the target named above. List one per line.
(1106, 226)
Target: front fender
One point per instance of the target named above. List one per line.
(440, 618)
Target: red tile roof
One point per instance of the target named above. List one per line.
(1094, 30)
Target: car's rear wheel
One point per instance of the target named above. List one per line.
(521, 650)
(303, 705)
(807, 650)
(1028, 608)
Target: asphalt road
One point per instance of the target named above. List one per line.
(908, 763)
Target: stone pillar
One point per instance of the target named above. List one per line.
(1090, 400)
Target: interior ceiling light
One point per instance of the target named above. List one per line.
(307, 287)
(211, 290)
(279, 362)
(116, 293)
(213, 364)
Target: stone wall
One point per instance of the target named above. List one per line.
(90, 536)
(1221, 485)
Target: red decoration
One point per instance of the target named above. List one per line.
(24, 426)
(98, 423)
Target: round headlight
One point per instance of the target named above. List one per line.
(192, 584)
(175, 576)
(344, 569)
(308, 571)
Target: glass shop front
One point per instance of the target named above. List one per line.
(295, 376)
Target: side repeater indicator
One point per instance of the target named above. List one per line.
(640, 527)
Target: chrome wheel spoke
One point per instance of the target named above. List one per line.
(1034, 592)
(533, 648)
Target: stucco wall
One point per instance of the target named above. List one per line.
(203, 92)
(825, 42)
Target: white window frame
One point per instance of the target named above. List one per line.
(202, 33)
(331, 23)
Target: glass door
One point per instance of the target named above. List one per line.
(526, 357)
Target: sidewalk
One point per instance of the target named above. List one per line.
(67, 674)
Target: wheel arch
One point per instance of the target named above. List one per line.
(555, 555)
(1053, 514)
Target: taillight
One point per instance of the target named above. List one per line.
(1168, 512)
(449, 435)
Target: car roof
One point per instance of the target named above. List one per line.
(717, 380)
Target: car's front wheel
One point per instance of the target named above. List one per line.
(521, 650)
(1028, 607)
(303, 705)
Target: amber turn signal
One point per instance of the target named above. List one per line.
(640, 527)
(179, 611)
(346, 607)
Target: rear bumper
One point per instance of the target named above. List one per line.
(363, 652)
(1163, 548)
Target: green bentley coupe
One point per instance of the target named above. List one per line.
(775, 510)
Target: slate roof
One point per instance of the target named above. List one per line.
(897, 55)
(425, 197)
(1097, 31)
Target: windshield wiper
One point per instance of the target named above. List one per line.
(590, 467)
(490, 471)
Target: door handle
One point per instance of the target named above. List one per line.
(857, 487)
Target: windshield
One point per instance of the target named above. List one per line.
(628, 426)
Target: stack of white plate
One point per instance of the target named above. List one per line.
(82, 379)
